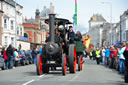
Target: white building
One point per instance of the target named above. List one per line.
(116, 33)
(95, 29)
(124, 26)
(11, 19)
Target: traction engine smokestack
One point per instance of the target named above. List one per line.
(51, 26)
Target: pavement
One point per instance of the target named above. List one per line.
(92, 74)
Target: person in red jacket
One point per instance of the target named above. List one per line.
(5, 58)
(113, 54)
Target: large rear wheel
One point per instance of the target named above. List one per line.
(39, 65)
(72, 58)
(64, 64)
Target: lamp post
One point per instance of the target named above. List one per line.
(15, 26)
(110, 18)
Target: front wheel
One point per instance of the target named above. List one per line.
(39, 65)
(64, 64)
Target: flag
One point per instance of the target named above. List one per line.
(75, 12)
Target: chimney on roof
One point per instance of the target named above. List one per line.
(37, 14)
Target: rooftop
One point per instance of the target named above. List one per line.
(30, 21)
(12, 3)
(97, 18)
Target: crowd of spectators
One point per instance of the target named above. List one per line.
(16, 57)
(115, 57)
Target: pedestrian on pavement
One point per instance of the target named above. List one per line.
(16, 58)
(71, 35)
(34, 54)
(40, 50)
(121, 57)
(94, 54)
(103, 55)
(113, 54)
(126, 64)
(90, 55)
(107, 55)
(98, 55)
(9, 53)
(5, 58)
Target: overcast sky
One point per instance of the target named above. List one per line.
(86, 8)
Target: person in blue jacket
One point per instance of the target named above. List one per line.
(121, 57)
(107, 55)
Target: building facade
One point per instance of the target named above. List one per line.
(11, 21)
(36, 29)
(95, 29)
(124, 26)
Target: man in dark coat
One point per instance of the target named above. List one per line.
(71, 35)
(9, 53)
(34, 54)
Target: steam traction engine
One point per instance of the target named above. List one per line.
(55, 54)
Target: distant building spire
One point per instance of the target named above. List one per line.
(37, 14)
(51, 7)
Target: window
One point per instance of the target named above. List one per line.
(5, 41)
(17, 30)
(124, 36)
(21, 31)
(5, 23)
(12, 25)
(127, 24)
(25, 35)
(12, 41)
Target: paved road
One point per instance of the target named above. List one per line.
(91, 74)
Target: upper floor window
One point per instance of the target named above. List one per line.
(127, 24)
(5, 23)
(12, 25)
(21, 31)
(17, 30)
(12, 41)
(124, 36)
(5, 41)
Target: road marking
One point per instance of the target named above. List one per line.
(28, 82)
(41, 75)
(33, 80)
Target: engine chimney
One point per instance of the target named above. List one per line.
(51, 26)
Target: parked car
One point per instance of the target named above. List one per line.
(29, 56)
(2, 63)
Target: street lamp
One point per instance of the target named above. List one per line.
(15, 26)
(110, 16)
